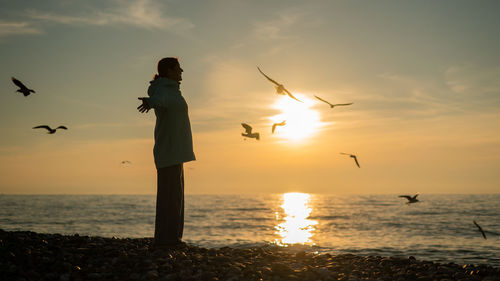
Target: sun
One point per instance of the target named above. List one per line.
(302, 121)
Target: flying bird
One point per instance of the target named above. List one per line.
(280, 89)
(248, 132)
(410, 198)
(51, 131)
(22, 88)
(332, 105)
(353, 157)
(126, 162)
(278, 124)
(480, 229)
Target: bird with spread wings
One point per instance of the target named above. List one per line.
(480, 229)
(280, 89)
(278, 124)
(22, 88)
(248, 132)
(51, 131)
(332, 105)
(411, 199)
(353, 157)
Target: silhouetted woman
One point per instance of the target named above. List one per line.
(173, 146)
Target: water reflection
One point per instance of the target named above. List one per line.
(297, 228)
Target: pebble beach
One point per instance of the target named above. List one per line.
(34, 256)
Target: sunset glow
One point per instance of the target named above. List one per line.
(425, 94)
(302, 121)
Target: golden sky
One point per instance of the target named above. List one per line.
(423, 77)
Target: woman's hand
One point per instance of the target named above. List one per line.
(144, 107)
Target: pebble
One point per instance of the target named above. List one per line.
(33, 256)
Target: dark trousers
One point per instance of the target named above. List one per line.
(169, 223)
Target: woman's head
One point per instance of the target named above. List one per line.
(169, 68)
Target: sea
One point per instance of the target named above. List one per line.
(438, 228)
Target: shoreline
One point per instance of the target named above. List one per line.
(26, 255)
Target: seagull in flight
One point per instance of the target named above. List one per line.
(22, 88)
(280, 89)
(278, 124)
(480, 229)
(51, 131)
(248, 132)
(353, 157)
(410, 198)
(332, 105)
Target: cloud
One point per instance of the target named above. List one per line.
(473, 80)
(396, 96)
(277, 32)
(15, 28)
(277, 28)
(408, 88)
(460, 89)
(231, 96)
(269, 30)
(143, 13)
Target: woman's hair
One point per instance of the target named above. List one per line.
(164, 65)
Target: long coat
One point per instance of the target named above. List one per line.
(173, 138)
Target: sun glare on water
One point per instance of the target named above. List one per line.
(296, 228)
(301, 121)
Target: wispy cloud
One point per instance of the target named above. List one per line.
(238, 96)
(15, 28)
(473, 80)
(279, 26)
(404, 97)
(143, 13)
(458, 90)
(277, 31)
(272, 29)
